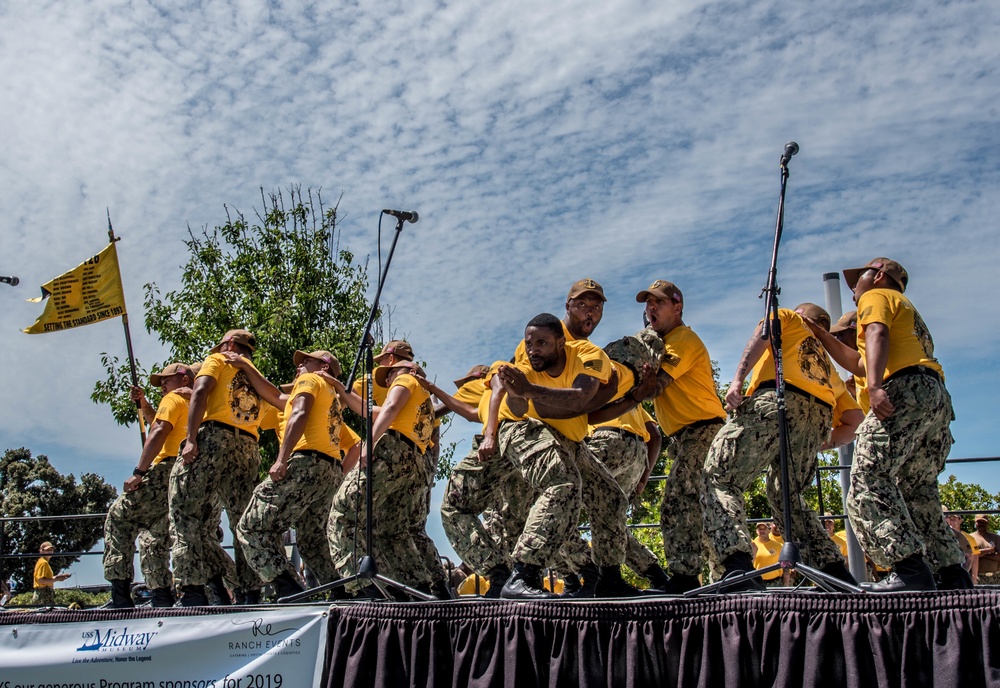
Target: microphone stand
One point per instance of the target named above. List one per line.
(789, 558)
(367, 569)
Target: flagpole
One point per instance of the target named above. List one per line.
(128, 341)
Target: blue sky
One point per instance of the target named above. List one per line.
(540, 143)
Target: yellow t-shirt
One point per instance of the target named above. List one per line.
(582, 358)
(840, 538)
(910, 342)
(484, 400)
(768, 554)
(233, 401)
(691, 397)
(416, 419)
(173, 409)
(807, 365)
(471, 392)
(42, 570)
(322, 431)
(633, 421)
(348, 438)
(378, 391)
(844, 401)
(468, 586)
(271, 418)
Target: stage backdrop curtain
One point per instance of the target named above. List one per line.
(776, 639)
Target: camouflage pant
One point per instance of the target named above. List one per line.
(748, 443)
(555, 473)
(302, 500)
(133, 512)
(903, 455)
(44, 596)
(425, 546)
(681, 521)
(225, 471)
(399, 501)
(625, 457)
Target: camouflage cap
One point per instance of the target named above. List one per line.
(646, 347)
(382, 372)
(244, 337)
(661, 289)
(476, 372)
(400, 348)
(586, 286)
(814, 313)
(156, 379)
(319, 355)
(890, 267)
(848, 321)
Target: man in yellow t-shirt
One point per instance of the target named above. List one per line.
(559, 378)
(219, 461)
(143, 504)
(44, 579)
(402, 431)
(299, 488)
(688, 410)
(749, 442)
(766, 552)
(904, 439)
(394, 352)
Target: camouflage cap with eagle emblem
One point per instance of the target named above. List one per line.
(585, 286)
(661, 289)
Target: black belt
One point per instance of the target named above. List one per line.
(406, 440)
(915, 370)
(228, 428)
(317, 455)
(770, 384)
(697, 424)
(621, 432)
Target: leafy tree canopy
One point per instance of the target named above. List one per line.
(283, 275)
(31, 486)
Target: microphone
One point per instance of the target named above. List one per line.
(791, 148)
(13, 281)
(407, 215)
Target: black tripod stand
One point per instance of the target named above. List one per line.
(366, 568)
(789, 559)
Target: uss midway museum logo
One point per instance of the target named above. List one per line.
(115, 641)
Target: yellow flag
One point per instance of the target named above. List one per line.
(88, 293)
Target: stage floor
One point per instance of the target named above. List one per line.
(769, 639)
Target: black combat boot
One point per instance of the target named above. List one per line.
(163, 597)
(611, 584)
(908, 575)
(121, 595)
(193, 596)
(441, 590)
(217, 594)
(571, 585)
(659, 581)
(954, 577)
(497, 576)
(286, 585)
(839, 570)
(525, 583)
(739, 563)
(587, 581)
(680, 583)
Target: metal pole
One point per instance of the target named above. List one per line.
(855, 555)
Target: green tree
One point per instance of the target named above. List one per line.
(31, 486)
(959, 496)
(284, 276)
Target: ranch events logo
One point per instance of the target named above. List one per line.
(116, 640)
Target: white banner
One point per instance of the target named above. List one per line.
(266, 648)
